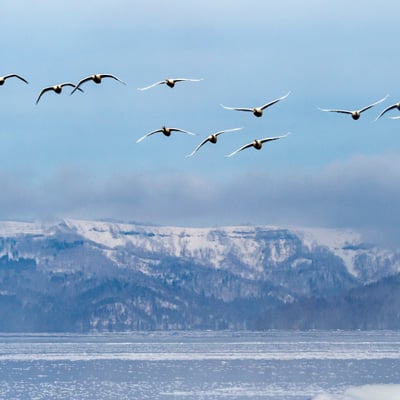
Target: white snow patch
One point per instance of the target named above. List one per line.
(339, 241)
(301, 261)
(366, 392)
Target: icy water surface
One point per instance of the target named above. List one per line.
(195, 365)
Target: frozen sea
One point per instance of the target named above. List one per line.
(200, 365)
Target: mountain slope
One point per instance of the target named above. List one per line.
(373, 306)
(84, 275)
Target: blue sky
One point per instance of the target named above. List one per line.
(77, 156)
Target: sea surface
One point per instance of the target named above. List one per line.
(195, 365)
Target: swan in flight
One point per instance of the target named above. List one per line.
(170, 82)
(56, 88)
(5, 77)
(166, 131)
(355, 114)
(393, 106)
(257, 144)
(257, 111)
(96, 78)
(212, 139)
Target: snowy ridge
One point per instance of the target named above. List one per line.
(218, 247)
(211, 244)
(214, 244)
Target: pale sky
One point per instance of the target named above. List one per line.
(76, 156)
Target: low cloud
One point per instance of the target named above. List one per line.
(360, 193)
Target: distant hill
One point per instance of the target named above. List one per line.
(80, 276)
(373, 306)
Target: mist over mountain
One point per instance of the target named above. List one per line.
(80, 276)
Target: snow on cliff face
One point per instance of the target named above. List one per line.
(210, 245)
(217, 246)
(348, 245)
(342, 243)
(249, 248)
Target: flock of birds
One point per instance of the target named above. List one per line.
(212, 138)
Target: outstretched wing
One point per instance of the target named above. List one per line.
(386, 110)
(198, 147)
(42, 92)
(208, 139)
(88, 78)
(16, 76)
(113, 77)
(70, 84)
(336, 111)
(274, 101)
(246, 146)
(183, 131)
(373, 104)
(152, 85)
(227, 130)
(236, 108)
(186, 79)
(269, 139)
(148, 134)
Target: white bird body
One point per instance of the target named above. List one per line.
(170, 82)
(212, 139)
(257, 144)
(165, 131)
(257, 111)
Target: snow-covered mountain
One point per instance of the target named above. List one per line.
(106, 275)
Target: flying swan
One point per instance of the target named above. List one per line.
(257, 144)
(257, 111)
(170, 82)
(56, 88)
(212, 139)
(355, 114)
(166, 131)
(96, 78)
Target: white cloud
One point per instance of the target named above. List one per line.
(359, 193)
